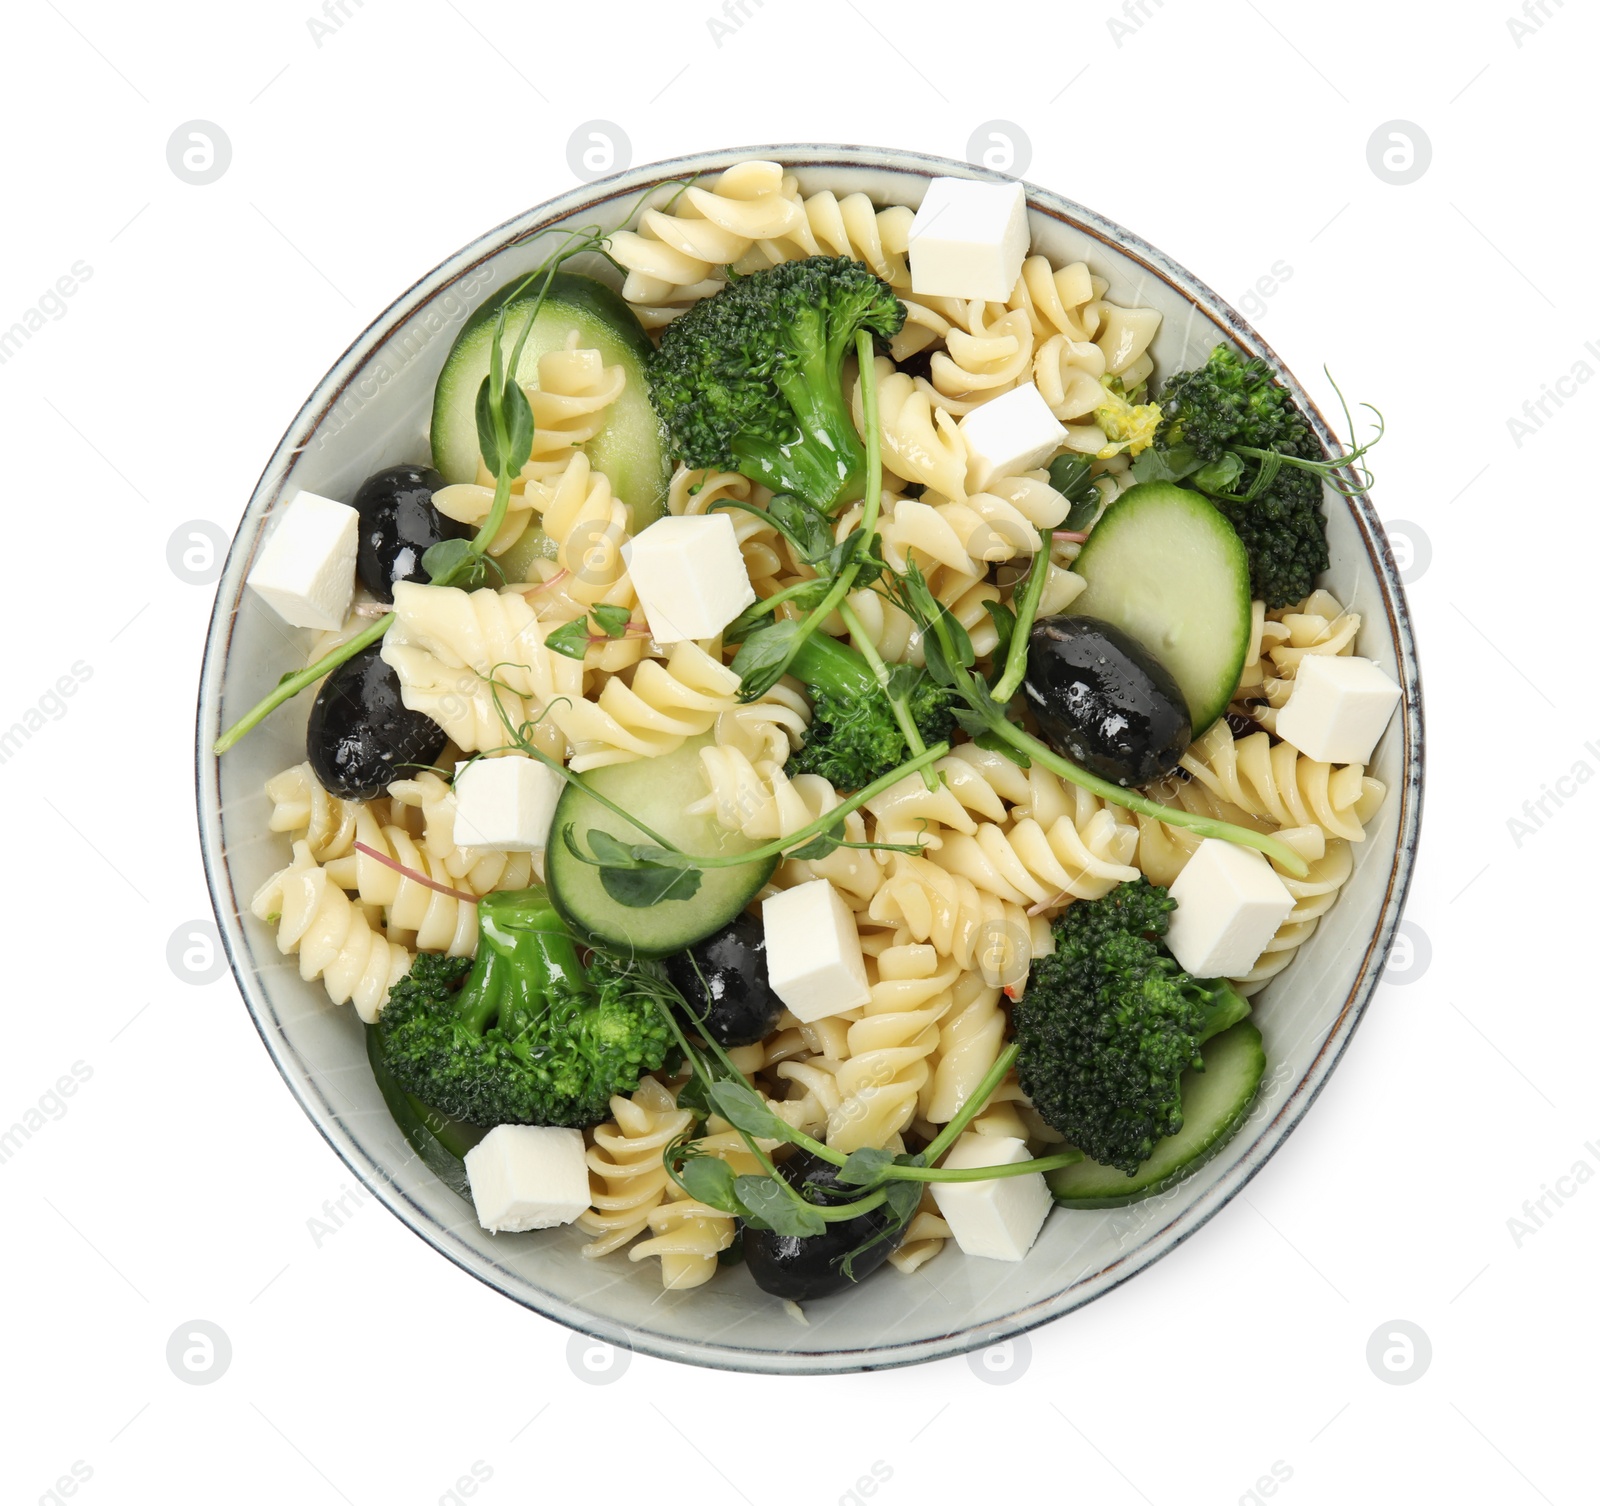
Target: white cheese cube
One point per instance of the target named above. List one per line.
(814, 961)
(1000, 1217)
(307, 570)
(689, 575)
(505, 803)
(968, 240)
(1009, 434)
(1338, 708)
(528, 1176)
(1230, 905)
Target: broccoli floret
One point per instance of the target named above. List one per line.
(854, 736)
(750, 379)
(1207, 416)
(1109, 1023)
(531, 1035)
(1127, 426)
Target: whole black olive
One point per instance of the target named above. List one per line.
(801, 1269)
(360, 735)
(399, 524)
(1104, 701)
(736, 1002)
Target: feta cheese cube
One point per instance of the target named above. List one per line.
(814, 961)
(1009, 434)
(968, 240)
(689, 575)
(1338, 708)
(505, 803)
(307, 570)
(999, 1218)
(528, 1176)
(1230, 905)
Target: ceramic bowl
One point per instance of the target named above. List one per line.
(372, 410)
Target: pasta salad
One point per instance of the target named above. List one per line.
(815, 763)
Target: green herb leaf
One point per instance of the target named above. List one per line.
(803, 598)
(1156, 464)
(776, 1204)
(1005, 624)
(764, 658)
(817, 848)
(693, 1096)
(488, 436)
(709, 1179)
(570, 639)
(645, 885)
(518, 417)
(1221, 475)
(452, 562)
(992, 742)
(746, 1109)
(611, 620)
(864, 1167)
(807, 527)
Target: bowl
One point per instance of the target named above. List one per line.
(372, 410)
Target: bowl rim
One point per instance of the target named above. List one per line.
(1187, 1218)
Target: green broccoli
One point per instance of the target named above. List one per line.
(1109, 1023)
(531, 1035)
(750, 379)
(1212, 418)
(854, 735)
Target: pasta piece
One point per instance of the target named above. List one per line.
(1313, 898)
(673, 258)
(1042, 869)
(889, 1047)
(662, 706)
(301, 806)
(422, 916)
(921, 443)
(473, 661)
(925, 1236)
(980, 361)
(852, 226)
(571, 398)
(1274, 782)
(686, 1235)
(1280, 640)
(627, 1180)
(970, 1037)
(979, 931)
(336, 938)
(479, 869)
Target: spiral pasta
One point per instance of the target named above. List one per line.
(627, 1179)
(571, 398)
(415, 912)
(474, 660)
(880, 1082)
(337, 939)
(302, 807)
(1280, 640)
(970, 1037)
(1275, 783)
(921, 442)
(433, 802)
(692, 493)
(673, 258)
(663, 705)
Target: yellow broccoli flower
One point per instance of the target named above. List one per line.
(1129, 426)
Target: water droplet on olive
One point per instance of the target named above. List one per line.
(1104, 701)
(399, 524)
(361, 736)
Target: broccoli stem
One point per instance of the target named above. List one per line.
(526, 955)
(897, 704)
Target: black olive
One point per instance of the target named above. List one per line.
(736, 1001)
(802, 1269)
(360, 735)
(399, 524)
(1104, 701)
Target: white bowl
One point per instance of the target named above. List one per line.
(372, 410)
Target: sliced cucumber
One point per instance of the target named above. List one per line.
(1215, 1103)
(658, 791)
(1164, 565)
(441, 1143)
(632, 447)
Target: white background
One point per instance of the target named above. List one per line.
(180, 1180)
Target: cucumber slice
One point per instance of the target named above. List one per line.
(632, 447)
(1164, 565)
(441, 1143)
(1215, 1103)
(658, 791)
